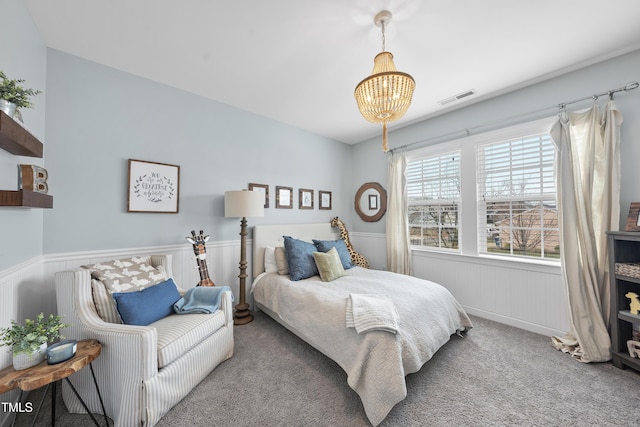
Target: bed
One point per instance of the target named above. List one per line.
(418, 317)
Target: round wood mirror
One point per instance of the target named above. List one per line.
(371, 202)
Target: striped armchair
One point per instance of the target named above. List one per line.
(143, 371)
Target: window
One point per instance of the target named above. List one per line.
(517, 212)
(487, 194)
(433, 191)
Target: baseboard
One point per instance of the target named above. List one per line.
(517, 323)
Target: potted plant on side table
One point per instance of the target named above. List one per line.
(29, 341)
(14, 96)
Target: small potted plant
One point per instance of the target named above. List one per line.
(13, 95)
(29, 341)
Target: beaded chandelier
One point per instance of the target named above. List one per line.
(386, 94)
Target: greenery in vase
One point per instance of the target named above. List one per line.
(29, 337)
(13, 91)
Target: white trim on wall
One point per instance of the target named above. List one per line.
(223, 259)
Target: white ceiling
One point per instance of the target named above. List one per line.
(298, 61)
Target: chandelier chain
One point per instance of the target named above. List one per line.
(383, 37)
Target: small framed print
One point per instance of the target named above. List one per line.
(633, 220)
(153, 187)
(373, 202)
(324, 200)
(284, 197)
(263, 189)
(305, 198)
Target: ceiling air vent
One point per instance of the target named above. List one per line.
(457, 97)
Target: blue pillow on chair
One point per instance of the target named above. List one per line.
(341, 247)
(302, 265)
(148, 305)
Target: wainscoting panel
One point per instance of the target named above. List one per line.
(223, 260)
(29, 288)
(20, 283)
(372, 246)
(525, 295)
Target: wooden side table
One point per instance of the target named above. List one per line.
(43, 374)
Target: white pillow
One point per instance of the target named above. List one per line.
(270, 265)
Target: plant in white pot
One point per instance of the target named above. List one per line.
(13, 95)
(29, 341)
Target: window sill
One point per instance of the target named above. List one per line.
(544, 266)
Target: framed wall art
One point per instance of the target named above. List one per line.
(305, 199)
(262, 188)
(373, 202)
(153, 187)
(284, 197)
(324, 200)
(633, 220)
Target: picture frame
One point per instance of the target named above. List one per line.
(373, 202)
(633, 219)
(305, 198)
(324, 200)
(284, 197)
(153, 187)
(262, 188)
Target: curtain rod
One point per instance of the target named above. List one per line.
(626, 88)
(561, 106)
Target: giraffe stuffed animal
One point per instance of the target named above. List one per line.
(356, 258)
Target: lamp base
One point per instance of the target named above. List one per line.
(242, 315)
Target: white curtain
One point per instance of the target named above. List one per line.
(398, 253)
(588, 178)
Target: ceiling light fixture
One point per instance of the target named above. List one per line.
(386, 94)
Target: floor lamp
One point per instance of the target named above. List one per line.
(243, 204)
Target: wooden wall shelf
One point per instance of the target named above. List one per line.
(24, 198)
(17, 140)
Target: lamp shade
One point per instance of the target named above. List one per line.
(243, 203)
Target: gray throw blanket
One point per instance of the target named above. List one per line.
(201, 299)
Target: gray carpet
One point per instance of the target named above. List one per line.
(495, 376)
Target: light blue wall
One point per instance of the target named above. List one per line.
(371, 165)
(98, 117)
(22, 56)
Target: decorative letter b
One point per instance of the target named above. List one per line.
(34, 178)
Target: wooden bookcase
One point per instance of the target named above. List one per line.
(624, 248)
(15, 139)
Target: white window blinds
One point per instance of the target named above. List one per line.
(433, 191)
(517, 212)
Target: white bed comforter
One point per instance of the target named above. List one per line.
(376, 362)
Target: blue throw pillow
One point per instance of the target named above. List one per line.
(341, 247)
(302, 265)
(148, 305)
